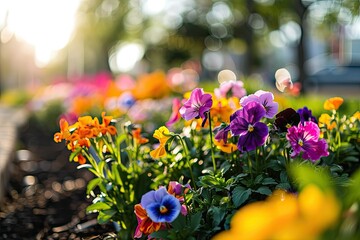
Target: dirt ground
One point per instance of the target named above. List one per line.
(46, 194)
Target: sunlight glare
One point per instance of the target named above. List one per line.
(46, 25)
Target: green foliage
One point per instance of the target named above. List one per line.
(218, 183)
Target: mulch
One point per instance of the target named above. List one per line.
(46, 194)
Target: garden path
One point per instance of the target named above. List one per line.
(10, 120)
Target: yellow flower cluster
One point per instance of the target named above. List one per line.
(285, 216)
(79, 134)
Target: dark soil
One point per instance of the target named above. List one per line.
(46, 194)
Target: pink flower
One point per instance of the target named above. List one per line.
(305, 139)
(230, 89)
(175, 115)
(197, 105)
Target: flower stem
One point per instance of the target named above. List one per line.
(211, 144)
(187, 159)
(249, 164)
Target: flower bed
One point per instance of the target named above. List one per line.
(227, 165)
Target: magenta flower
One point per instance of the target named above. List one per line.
(161, 206)
(246, 124)
(197, 105)
(175, 115)
(266, 99)
(304, 138)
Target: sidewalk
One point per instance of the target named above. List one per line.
(10, 120)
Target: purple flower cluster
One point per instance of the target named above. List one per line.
(300, 126)
(245, 123)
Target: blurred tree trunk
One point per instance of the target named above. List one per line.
(249, 40)
(300, 10)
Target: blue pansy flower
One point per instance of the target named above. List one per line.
(160, 205)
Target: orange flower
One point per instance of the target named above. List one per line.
(220, 111)
(64, 131)
(333, 103)
(105, 126)
(152, 85)
(225, 147)
(145, 224)
(136, 133)
(80, 159)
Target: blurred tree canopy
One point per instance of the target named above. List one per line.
(174, 31)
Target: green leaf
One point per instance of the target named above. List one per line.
(179, 222)
(101, 166)
(264, 190)
(92, 184)
(96, 207)
(240, 195)
(258, 179)
(284, 177)
(120, 138)
(195, 221)
(351, 159)
(74, 154)
(161, 234)
(217, 214)
(105, 216)
(284, 186)
(268, 181)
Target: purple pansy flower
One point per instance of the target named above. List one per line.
(222, 132)
(305, 138)
(246, 124)
(266, 99)
(306, 115)
(160, 205)
(197, 105)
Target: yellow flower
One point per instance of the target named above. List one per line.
(333, 103)
(355, 117)
(325, 120)
(162, 134)
(225, 147)
(285, 216)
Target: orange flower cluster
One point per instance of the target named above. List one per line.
(79, 134)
